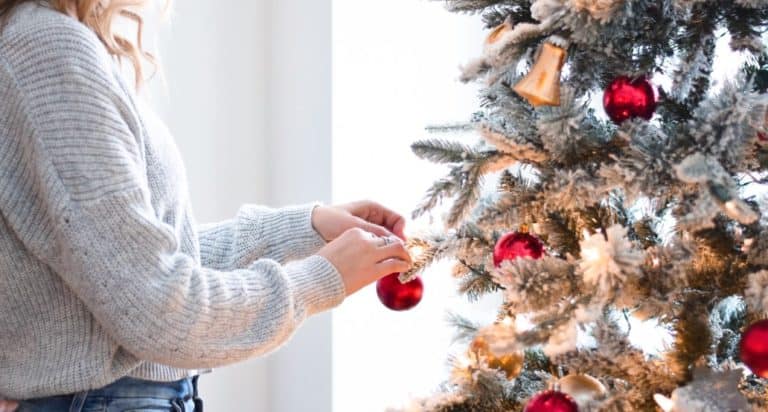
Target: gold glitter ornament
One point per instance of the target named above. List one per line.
(511, 363)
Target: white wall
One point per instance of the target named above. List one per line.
(395, 72)
(248, 100)
(299, 170)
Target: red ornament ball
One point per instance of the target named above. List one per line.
(754, 348)
(515, 245)
(551, 401)
(399, 296)
(626, 98)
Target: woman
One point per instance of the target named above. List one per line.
(111, 297)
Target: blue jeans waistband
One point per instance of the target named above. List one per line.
(132, 387)
(124, 394)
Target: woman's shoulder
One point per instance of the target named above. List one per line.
(37, 38)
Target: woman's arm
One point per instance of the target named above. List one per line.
(259, 232)
(290, 233)
(158, 303)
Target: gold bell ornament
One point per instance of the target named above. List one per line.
(511, 363)
(541, 86)
(498, 32)
(582, 388)
(495, 41)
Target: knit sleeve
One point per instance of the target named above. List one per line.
(164, 307)
(91, 220)
(257, 232)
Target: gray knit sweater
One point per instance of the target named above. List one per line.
(103, 271)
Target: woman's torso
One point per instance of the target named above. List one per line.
(50, 343)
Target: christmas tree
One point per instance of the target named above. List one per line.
(615, 184)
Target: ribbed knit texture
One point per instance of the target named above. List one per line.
(103, 272)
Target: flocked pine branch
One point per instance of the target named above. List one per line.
(465, 328)
(452, 127)
(465, 179)
(469, 5)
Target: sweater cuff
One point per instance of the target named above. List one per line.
(295, 222)
(316, 285)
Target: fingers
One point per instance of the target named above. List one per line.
(386, 247)
(379, 215)
(388, 266)
(393, 250)
(399, 228)
(362, 257)
(373, 228)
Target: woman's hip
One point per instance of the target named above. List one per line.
(124, 395)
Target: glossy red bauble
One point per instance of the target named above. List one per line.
(626, 98)
(551, 401)
(754, 348)
(399, 296)
(515, 245)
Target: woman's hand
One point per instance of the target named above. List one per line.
(8, 406)
(331, 221)
(362, 257)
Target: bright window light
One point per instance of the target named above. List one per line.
(395, 71)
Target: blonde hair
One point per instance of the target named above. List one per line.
(100, 17)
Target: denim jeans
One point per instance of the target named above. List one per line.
(124, 395)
